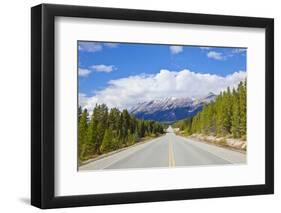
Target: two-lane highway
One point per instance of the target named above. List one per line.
(169, 150)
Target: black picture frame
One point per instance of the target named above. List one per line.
(43, 102)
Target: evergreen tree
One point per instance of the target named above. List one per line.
(235, 121)
(142, 129)
(243, 108)
(79, 113)
(110, 130)
(102, 124)
(82, 131)
(126, 123)
(227, 115)
(220, 114)
(92, 135)
(136, 136)
(131, 139)
(228, 111)
(113, 118)
(107, 144)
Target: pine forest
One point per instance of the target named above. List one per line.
(107, 130)
(226, 116)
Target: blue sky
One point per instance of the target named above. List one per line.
(103, 67)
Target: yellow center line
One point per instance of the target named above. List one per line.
(172, 162)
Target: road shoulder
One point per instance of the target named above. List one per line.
(226, 154)
(110, 156)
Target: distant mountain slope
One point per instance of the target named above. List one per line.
(170, 109)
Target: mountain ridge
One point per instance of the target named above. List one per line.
(170, 109)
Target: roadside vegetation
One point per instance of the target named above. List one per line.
(107, 130)
(223, 118)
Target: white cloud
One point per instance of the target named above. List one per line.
(126, 92)
(239, 50)
(221, 56)
(83, 100)
(103, 68)
(215, 55)
(89, 46)
(111, 45)
(176, 49)
(83, 72)
(205, 48)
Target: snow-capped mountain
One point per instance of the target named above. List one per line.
(170, 109)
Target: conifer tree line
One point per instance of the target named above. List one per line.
(226, 116)
(107, 130)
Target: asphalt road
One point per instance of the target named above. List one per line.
(169, 150)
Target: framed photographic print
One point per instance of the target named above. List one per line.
(140, 106)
